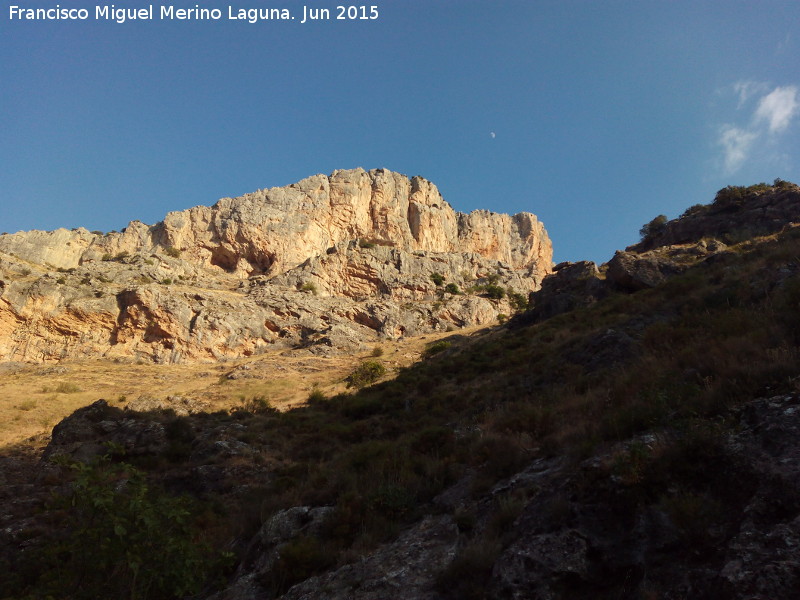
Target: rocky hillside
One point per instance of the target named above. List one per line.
(635, 434)
(330, 263)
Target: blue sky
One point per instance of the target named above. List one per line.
(596, 116)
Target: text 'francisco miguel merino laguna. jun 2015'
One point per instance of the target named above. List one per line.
(110, 12)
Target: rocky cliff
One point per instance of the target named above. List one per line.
(331, 261)
(273, 230)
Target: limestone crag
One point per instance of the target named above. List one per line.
(329, 264)
(355, 272)
(703, 233)
(737, 214)
(273, 230)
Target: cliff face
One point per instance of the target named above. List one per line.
(273, 230)
(337, 260)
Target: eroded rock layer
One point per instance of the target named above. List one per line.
(331, 261)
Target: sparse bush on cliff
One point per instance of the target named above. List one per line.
(437, 278)
(309, 286)
(173, 252)
(653, 227)
(693, 210)
(519, 302)
(494, 292)
(734, 195)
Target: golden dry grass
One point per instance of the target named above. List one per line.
(34, 398)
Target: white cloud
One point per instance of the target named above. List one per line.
(773, 114)
(736, 144)
(747, 89)
(778, 108)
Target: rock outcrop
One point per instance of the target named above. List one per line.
(702, 233)
(737, 214)
(331, 262)
(273, 230)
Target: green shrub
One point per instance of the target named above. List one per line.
(494, 292)
(366, 373)
(309, 287)
(518, 301)
(365, 244)
(653, 227)
(437, 278)
(452, 288)
(121, 538)
(173, 252)
(257, 405)
(734, 195)
(435, 347)
(317, 395)
(107, 257)
(695, 209)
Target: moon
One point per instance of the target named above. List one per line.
(492, 134)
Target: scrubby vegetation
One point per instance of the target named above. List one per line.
(122, 538)
(365, 374)
(653, 227)
(309, 286)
